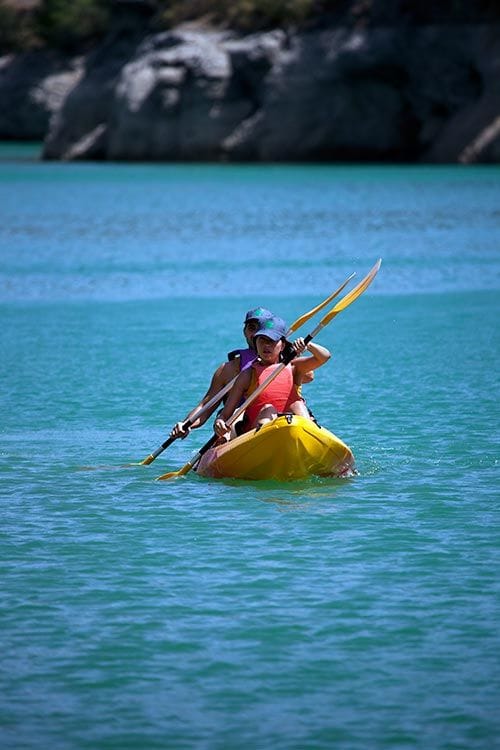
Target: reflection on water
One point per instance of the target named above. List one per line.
(290, 505)
(315, 494)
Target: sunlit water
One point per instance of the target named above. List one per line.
(201, 614)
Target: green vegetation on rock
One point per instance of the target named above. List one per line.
(74, 25)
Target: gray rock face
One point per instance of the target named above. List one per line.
(176, 89)
(383, 93)
(331, 95)
(33, 87)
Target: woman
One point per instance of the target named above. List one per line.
(282, 394)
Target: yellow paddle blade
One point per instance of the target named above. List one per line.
(172, 474)
(147, 461)
(353, 294)
(304, 318)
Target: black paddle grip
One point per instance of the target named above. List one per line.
(288, 352)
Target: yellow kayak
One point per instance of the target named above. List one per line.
(289, 447)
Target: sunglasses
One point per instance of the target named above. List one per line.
(252, 325)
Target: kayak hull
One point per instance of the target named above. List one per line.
(290, 447)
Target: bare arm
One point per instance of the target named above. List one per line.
(223, 374)
(303, 365)
(233, 401)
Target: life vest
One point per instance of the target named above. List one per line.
(281, 392)
(244, 355)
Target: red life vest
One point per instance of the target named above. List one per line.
(281, 393)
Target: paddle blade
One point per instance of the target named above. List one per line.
(173, 474)
(353, 294)
(147, 461)
(304, 318)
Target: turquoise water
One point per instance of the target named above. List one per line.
(352, 614)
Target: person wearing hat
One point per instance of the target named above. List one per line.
(281, 395)
(227, 371)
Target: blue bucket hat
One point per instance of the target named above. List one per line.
(258, 313)
(274, 328)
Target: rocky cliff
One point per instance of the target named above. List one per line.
(385, 93)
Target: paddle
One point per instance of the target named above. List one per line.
(219, 396)
(344, 302)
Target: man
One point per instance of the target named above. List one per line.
(227, 371)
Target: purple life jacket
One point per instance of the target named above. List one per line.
(247, 356)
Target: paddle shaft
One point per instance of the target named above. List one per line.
(344, 302)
